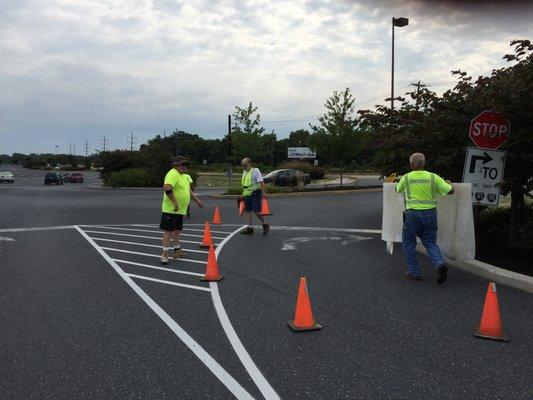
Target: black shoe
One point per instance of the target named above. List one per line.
(413, 277)
(248, 231)
(266, 228)
(442, 273)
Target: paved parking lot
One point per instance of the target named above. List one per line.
(88, 311)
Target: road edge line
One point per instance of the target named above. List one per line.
(260, 381)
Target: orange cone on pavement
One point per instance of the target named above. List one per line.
(216, 217)
(211, 273)
(265, 210)
(303, 317)
(241, 207)
(490, 326)
(207, 240)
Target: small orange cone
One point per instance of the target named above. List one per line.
(241, 207)
(303, 317)
(211, 273)
(490, 326)
(265, 210)
(216, 217)
(207, 240)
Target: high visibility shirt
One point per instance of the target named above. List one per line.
(421, 188)
(181, 189)
(250, 184)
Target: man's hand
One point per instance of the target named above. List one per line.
(176, 206)
(200, 204)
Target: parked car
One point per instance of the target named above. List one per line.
(75, 177)
(7, 177)
(52, 177)
(286, 177)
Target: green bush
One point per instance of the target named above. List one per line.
(301, 165)
(234, 190)
(271, 189)
(131, 177)
(317, 173)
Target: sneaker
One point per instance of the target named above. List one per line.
(266, 228)
(248, 231)
(179, 253)
(442, 273)
(164, 258)
(413, 277)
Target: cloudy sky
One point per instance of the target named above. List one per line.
(76, 71)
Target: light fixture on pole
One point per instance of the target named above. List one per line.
(399, 22)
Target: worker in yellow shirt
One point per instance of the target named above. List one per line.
(421, 188)
(176, 197)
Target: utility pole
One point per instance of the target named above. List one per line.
(176, 133)
(418, 86)
(105, 142)
(229, 150)
(86, 148)
(132, 142)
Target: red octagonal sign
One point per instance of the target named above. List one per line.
(489, 130)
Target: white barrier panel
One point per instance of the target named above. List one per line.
(455, 237)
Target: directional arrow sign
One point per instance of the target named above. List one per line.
(484, 170)
(485, 158)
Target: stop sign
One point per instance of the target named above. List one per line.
(489, 130)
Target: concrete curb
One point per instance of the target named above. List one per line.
(490, 272)
(299, 194)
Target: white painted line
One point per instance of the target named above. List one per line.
(318, 229)
(151, 255)
(39, 228)
(266, 389)
(147, 278)
(148, 231)
(166, 269)
(146, 245)
(6, 239)
(201, 230)
(138, 236)
(233, 386)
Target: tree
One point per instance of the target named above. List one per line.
(247, 135)
(337, 138)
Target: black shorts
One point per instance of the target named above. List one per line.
(253, 202)
(171, 222)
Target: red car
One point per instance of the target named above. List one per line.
(76, 177)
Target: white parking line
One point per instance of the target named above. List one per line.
(148, 231)
(149, 255)
(172, 283)
(233, 386)
(38, 228)
(139, 236)
(146, 245)
(166, 269)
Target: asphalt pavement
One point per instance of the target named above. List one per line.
(89, 312)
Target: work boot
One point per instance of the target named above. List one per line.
(248, 231)
(266, 228)
(413, 277)
(164, 258)
(179, 253)
(442, 273)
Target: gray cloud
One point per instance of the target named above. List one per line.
(75, 71)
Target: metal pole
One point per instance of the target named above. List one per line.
(392, 70)
(229, 150)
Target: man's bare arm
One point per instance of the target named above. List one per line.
(170, 194)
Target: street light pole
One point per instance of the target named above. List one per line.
(399, 22)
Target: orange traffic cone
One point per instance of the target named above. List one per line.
(216, 217)
(241, 207)
(490, 326)
(207, 240)
(303, 317)
(265, 210)
(211, 273)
